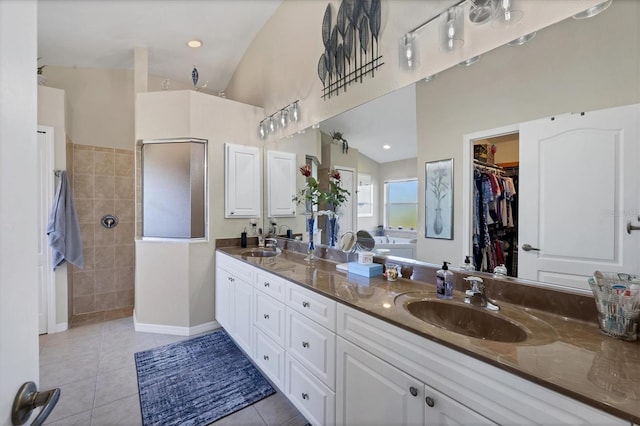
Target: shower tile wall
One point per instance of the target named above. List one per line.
(103, 183)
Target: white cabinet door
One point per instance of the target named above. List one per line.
(224, 299)
(442, 410)
(242, 181)
(574, 209)
(281, 183)
(312, 398)
(371, 392)
(242, 314)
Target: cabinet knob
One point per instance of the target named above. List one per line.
(305, 304)
(231, 213)
(266, 357)
(413, 391)
(266, 316)
(305, 344)
(430, 402)
(266, 284)
(230, 279)
(305, 395)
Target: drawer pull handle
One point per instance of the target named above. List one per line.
(305, 304)
(305, 395)
(305, 344)
(430, 402)
(266, 357)
(266, 284)
(266, 316)
(413, 391)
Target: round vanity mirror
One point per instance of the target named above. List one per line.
(364, 241)
(347, 242)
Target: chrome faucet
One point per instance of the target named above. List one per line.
(271, 243)
(476, 295)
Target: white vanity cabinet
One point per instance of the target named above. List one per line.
(242, 181)
(281, 183)
(372, 392)
(311, 353)
(234, 299)
(461, 388)
(269, 325)
(339, 365)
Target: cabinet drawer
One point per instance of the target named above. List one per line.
(313, 345)
(269, 316)
(234, 267)
(310, 396)
(269, 357)
(270, 284)
(313, 305)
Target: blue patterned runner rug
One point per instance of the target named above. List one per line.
(196, 382)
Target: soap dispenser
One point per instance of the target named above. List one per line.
(468, 265)
(444, 282)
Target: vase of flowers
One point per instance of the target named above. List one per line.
(335, 196)
(310, 195)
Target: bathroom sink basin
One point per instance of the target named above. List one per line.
(468, 320)
(260, 252)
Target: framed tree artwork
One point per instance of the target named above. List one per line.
(439, 199)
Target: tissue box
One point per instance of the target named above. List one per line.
(366, 270)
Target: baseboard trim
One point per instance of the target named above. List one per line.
(174, 330)
(60, 327)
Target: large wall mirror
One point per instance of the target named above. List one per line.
(572, 66)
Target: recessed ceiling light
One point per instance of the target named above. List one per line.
(593, 11)
(194, 43)
(386, 146)
(522, 40)
(469, 61)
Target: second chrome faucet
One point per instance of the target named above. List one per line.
(477, 295)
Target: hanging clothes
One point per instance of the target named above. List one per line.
(494, 228)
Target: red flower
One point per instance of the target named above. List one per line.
(335, 174)
(306, 170)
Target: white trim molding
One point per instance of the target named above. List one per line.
(174, 330)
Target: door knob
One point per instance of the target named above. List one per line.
(527, 247)
(631, 227)
(27, 399)
(430, 402)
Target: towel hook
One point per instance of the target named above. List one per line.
(109, 221)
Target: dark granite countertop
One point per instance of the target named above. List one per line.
(567, 355)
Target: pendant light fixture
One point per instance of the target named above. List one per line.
(506, 15)
(452, 29)
(409, 59)
(279, 119)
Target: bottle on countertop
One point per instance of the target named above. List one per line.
(468, 265)
(444, 282)
(243, 238)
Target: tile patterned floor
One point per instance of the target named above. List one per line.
(93, 365)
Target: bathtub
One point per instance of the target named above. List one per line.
(401, 247)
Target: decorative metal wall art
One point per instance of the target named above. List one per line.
(350, 46)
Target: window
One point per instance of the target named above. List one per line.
(174, 188)
(401, 203)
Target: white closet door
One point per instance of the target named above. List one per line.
(578, 191)
(347, 212)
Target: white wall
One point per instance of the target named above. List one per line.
(18, 203)
(574, 66)
(280, 66)
(101, 103)
(178, 114)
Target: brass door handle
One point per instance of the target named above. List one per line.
(27, 399)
